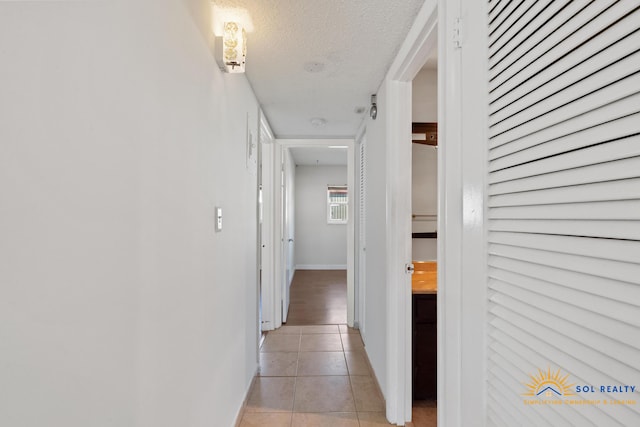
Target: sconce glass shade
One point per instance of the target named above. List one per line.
(231, 48)
(373, 112)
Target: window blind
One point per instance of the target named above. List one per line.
(337, 204)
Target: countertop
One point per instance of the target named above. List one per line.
(425, 277)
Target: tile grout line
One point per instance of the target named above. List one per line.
(295, 379)
(353, 394)
(342, 337)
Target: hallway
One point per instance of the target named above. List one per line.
(318, 297)
(316, 374)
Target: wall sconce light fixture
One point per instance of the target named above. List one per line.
(373, 112)
(231, 48)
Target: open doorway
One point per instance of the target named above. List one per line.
(309, 182)
(318, 292)
(424, 215)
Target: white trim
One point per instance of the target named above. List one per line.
(321, 267)
(326, 142)
(268, 238)
(278, 256)
(462, 172)
(418, 46)
(449, 220)
(243, 407)
(462, 94)
(351, 237)
(413, 54)
(474, 126)
(398, 240)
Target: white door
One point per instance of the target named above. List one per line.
(282, 276)
(564, 211)
(267, 241)
(287, 228)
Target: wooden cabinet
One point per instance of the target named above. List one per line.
(425, 365)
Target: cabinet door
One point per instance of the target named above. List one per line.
(425, 365)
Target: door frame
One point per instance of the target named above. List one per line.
(421, 41)
(282, 144)
(267, 149)
(462, 172)
(283, 226)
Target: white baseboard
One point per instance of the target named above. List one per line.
(321, 267)
(246, 399)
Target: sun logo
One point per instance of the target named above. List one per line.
(549, 385)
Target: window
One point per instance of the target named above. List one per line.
(337, 204)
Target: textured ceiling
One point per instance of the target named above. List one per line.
(319, 156)
(349, 44)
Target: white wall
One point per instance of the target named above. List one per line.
(118, 136)
(318, 245)
(425, 96)
(375, 228)
(424, 164)
(379, 213)
(424, 199)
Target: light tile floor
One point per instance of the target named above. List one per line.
(318, 376)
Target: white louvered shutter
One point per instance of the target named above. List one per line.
(361, 196)
(564, 206)
(362, 244)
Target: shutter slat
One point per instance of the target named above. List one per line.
(522, 356)
(574, 158)
(598, 332)
(596, 285)
(500, 400)
(552, 134)
(580, 415)
(523, 328)
(494, 3)
(603, 229)
(617, 310)
(511, 22)
(616, 270)
(609, 171)
(502, 17)
(550, 48)
(511, 371)
(503, 390)
(610, 370)
(617, 250)
(496, 7)
(627, 189)
(543, 355)
(536, 43)
(494, 418)
(563, 207)
(508, 379)
(590, 83)
(597, 53)
(535, 18)
(512, 378)
(618, 210)
(592, 102)
(610, 131)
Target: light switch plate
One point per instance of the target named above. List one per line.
(218, 219)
